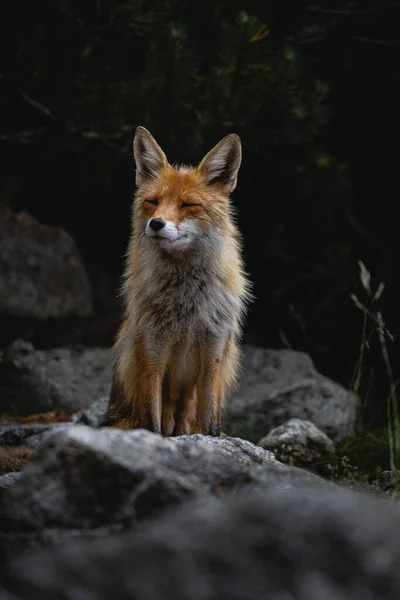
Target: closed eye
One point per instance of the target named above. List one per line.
(189, 204)
(153, 201)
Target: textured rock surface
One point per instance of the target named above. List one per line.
(7, 480)
(41, 273)
(277, 385)
(59, 378)
(298, 442)
(129, 514)
(94, 413)
(328, 544)
(16, 434)
(85, 479)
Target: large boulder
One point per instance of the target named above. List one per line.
(264, 543)
(42, 380)
(87, 480)
(41, 272)
(277, 385)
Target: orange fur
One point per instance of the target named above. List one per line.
(176, 353)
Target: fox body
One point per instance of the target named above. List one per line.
(185, 292)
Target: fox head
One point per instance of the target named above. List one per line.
(178, 208)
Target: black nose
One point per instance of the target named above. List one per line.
(157, 224)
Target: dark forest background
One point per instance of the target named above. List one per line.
(313, 89)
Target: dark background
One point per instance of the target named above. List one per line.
(312, 89)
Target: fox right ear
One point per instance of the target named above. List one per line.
(221, 165)
(148, 155)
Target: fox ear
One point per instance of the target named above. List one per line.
(221, 165)
(148, 155)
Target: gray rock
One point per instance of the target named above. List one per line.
(35, 440)
(85, 479)
(7, 480)
(94, 413)
(28, 434)
(298, 442)
(284, 477)
(237, 450)
(59, 378)
(277, 385)
(41, 273)
(269, 544)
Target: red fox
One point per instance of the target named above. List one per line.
(185, 292)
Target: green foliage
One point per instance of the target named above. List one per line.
(188, 74)
(370, 452)
(374, 325)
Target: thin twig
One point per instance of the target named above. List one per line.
(360, 38)
(24, 137)
(392, 409)
(350, 13)
(37, 105)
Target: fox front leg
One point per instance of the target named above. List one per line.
(209, 398)
(151, 373)
(150, 401)
(185, 413)
(119, 412)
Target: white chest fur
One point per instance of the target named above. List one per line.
(186, 296)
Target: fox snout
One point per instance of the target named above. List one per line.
(168, 235)
(159, 228)
(157, 224)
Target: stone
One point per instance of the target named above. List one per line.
(94, 413)
(29, 434)
(7, 480)
(41, 272)
(85, 480)
(71, 377)
(300, 443)
(277, 385)
(114, 474)
(271, 543)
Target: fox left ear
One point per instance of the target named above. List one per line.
(148, 155)
(221, 165)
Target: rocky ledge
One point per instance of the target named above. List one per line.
(107, 514)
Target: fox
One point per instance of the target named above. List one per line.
(185, 293)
